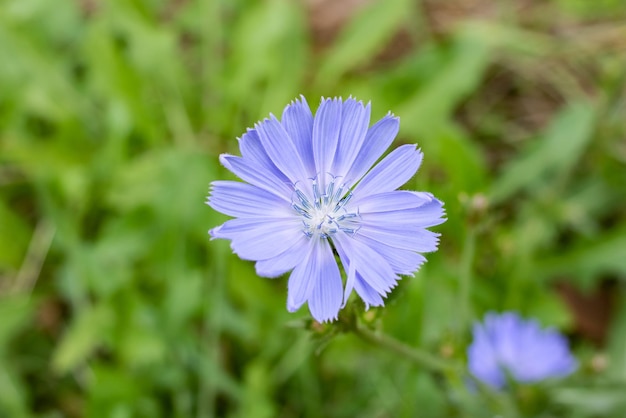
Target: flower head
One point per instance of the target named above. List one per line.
(310, 193)
(507, 343)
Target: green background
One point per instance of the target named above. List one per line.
(113, 301)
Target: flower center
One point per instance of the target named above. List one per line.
(325, 214)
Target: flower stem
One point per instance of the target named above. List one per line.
(416, 356)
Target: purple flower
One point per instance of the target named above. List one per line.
(506, 343)
(310, 193)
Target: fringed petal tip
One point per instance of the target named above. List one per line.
(391, 115)
(327, 320)
(373, 305)
(298, 101)
(331, 99)
(359, 102)
(259, 125)
(214, 233)
(249, 131)
(223, 158)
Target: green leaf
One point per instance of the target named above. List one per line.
(598, 401)
(184, 298)
(363, 37)
(88, 330)
(616, 349)
(14, 238)
(457, 76)
(552, 155)
(268, 57)
(113, 393)
(15, 312)
(257, 394)
(588, 260)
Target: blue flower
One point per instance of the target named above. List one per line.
(507, 343)
(310, 194)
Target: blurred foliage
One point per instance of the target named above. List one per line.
(112, 115)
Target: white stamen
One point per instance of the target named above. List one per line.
(326, 214)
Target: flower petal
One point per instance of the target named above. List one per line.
(394, 200)
(370, 296)
(374, 269)
(285, 261)
(325, 300)
(354, 124)
(401, 236)
(424, 216)
(298, 122)
(259, 176)
(281, 149)
(258, 238)
(483, 360)
(350, 279)
(245, 200)
(378, 138)
(350, 269)
(392, 172)
(252, 151)
(326, 128)
(305, 276)
(522, 348)
(401, 261)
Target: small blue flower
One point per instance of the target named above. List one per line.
(506, 343)
(310, 194)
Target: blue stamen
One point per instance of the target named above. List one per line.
(303, 199)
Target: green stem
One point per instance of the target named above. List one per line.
(416, 356)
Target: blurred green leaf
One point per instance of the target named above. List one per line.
(550, 310)
(256, 401)
(184, 298)
(86, 333)
(269, 58)
(592, 402)
(588, 261)
(13, 395)
(552, 156)
(142, 346)
(15, 311)
(601, 8)
(364, 36)
(14, 238)
(114, 393)
(464, 63)
(185, 174)
(616, 348)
